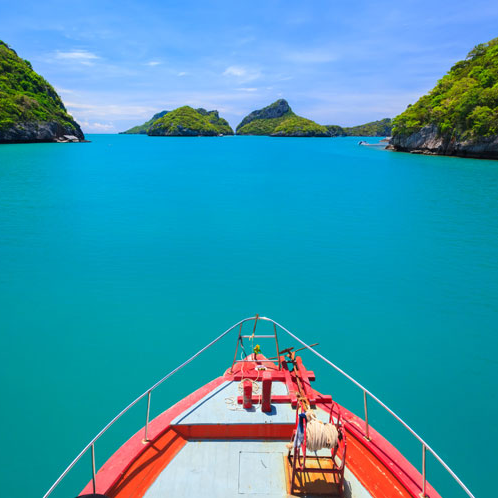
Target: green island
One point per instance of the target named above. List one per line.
(278, 120)
(460, 115)
(189, 122)
(30, 109)
(381, 128)
(144, 128)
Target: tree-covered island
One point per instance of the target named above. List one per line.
(460, 115)
(188, 122)
(278, 120)
(30, 109)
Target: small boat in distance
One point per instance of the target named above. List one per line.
(382, 144)
(259, 428)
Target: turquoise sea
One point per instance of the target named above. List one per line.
(122, 257)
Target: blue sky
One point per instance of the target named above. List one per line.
(115, 63)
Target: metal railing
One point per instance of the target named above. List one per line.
(148, 392)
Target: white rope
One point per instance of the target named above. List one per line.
(318, 434)
(231, 401)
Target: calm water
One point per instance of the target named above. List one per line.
(120, 258)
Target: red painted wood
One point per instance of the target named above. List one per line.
(285, 398)
(385, 453)
(376, 463)
(291, 386)
(247, 394)
(258, 374)
(266, 398)
(120, 461)
(372, 473)
(137, 479)
(305, 381)
(269, 432)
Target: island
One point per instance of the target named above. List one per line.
(278, 120)
(380, 128)
(459, 117)
(30, 109)
(144, 128)
(188, 122)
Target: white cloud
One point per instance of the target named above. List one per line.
(351, 109)
(245, 89)
(153, 63)
(87, 112)
(78, 56)
(64, 91)
(182, 73)
(97, 127)
(234, 71)
(242, 73)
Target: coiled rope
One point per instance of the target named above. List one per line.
(318, 434)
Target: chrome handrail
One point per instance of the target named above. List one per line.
(133, 403)
(399, 419)
(91, 444)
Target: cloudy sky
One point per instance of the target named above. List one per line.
(115, 63)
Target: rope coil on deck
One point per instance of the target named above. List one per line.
(318, 434)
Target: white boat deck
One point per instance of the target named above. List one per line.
(220, 407)
(224, 469)
(228, 468)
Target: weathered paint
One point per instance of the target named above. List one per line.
(224, 469)
(220, 407)
(124, 457)
(387, 455)
(139, 476)
(376, 463)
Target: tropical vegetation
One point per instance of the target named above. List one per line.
(381, 128)
(144, 128)
(464, 103)
(278, 119)
(186, 121)
(27, 97)
(298, 126)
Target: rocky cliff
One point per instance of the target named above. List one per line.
(30, 109)
(430, 141)
(278, 120)
(460, 115)
(277, 110)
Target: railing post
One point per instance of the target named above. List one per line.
(147, 417)
(93, 468)
(366, 414)
(423, 471)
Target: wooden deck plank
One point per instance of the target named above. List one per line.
(148, 466)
